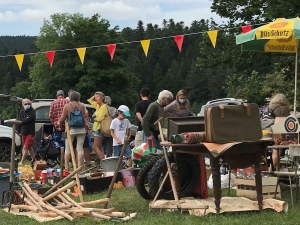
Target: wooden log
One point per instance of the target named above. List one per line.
(62, 159)
(101, 211)
(63, 206)
(64, 195)
(65, 201)
(100, 216)
(29, 194)
(82, 211)
(116, 214)
(47, 214)
(96, 202)
(73, 160)
(48, 207)
(26, 200)
(61, 182)
(64, 188)
(26, 207)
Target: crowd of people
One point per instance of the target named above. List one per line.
(71, 109)
(146, 113)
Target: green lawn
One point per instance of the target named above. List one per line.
(127, 200)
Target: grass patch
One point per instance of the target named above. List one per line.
(127, 200)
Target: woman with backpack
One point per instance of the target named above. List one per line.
(74, 112)
(279, 106)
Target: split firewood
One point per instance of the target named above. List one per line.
(48, 214)
(116, 214)
(96, 202)
(48, 207)
(64, 188)
(25, 207)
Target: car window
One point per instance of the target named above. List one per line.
(42, 113)
(91, 112)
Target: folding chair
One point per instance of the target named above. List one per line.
(294, 151)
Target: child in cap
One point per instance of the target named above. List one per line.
(118, 129)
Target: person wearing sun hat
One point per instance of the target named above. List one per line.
(118, 129)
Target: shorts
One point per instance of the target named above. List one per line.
(28, 140)
(98, 134)
(118, 149)
(85, 143)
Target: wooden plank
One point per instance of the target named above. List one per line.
(265, 181)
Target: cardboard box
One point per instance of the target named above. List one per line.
(247, 188)
(39, 165)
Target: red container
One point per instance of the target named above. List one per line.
(44, 175)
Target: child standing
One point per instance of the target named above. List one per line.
(118, 129)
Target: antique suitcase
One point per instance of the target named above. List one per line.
(230, 123)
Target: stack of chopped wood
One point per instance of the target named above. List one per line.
(65, 206)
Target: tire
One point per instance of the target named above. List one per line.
(5, 150)
(142, 178)
(189, 172)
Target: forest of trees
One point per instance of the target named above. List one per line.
(204, 71)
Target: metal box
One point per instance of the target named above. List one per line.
(177, 125)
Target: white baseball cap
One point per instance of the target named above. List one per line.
(124, 109)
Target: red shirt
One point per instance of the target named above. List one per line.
(56, 109)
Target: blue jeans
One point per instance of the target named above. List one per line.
(118, 149)
(156, 141)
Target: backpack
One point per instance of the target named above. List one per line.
(76, 118)
(271, 113)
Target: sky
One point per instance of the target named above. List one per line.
(25, 17)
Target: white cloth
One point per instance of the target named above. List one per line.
(119, 127)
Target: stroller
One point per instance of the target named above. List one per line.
(47, 145)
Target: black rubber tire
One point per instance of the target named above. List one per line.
(142, 178)
(189, 171)
(5, 151)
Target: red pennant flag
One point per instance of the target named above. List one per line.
(111, 49)
(246, 28)
(179, 40)
(50, 56)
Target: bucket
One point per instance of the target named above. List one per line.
(109, 164)
(128, 177)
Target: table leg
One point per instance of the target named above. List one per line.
(215, 169)
(258, 180)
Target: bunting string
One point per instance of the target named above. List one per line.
(178, 39)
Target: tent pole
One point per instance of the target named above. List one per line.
(296, 73)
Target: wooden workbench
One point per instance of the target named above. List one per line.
(242, 154)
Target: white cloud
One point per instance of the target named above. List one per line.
(116, 11)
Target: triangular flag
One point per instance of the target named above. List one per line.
(246, 28)
(50, 56)
(179, 40)
(19, 58)
(81, 53)
(111, 49)
(145, 44)
(213, 36)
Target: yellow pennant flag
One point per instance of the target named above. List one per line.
(19, 58)
(81, 53)
(145, 44)
(213, 36)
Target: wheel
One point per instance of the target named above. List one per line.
(189, 171)
(142, 178)
(5, 152)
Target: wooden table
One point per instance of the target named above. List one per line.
(240, 155)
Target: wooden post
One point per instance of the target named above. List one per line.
(13, 149)
(111, 186)
(62, 158)
(73, 161)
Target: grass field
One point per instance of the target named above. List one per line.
(127, 200)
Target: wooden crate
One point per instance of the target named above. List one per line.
(247, 188)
